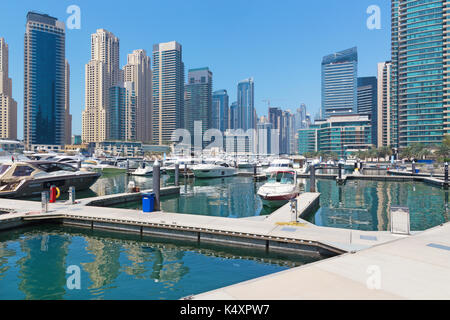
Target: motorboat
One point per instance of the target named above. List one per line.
(244, 164)
(278, 164)
(29, 178)
(144, 170)
(217, 170)
(103, 166)
(279, 189)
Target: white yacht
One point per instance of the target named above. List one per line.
(217, 170)
(145, 170)
(279, 189)
(277, 165)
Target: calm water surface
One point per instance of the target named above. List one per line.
(33, 264)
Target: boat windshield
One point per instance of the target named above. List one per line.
(53, 167)
(282, 177)
(3, 168)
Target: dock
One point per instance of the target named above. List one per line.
(409, 266)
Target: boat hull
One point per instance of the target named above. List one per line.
(277, 201)
(34, 187)
(214, 173)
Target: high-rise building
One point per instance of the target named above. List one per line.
(339, 83)
(384, 104)
(198, 101)
(367, 102)
(67, 115)
(102, 73)
(168, 90)
(8, 106)
(419, 72)
(234, 116)
(246, 104)
(342, 135)
(138, 70)
(122, 112)
(264, 132)
(44, 84)
(220, 110)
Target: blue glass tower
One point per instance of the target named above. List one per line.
(44, 81)
(339, 83)
(368, 102)
(219, 114)
(246, 104)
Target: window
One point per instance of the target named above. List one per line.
(23, 171)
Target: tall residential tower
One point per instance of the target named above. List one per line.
(8, 107)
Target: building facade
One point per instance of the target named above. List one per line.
(168, 90)
(234, 116)
(384, 105)
(220, 110)
(44, 81)
(101, 73)
(341, 135)
(8, 106)
(67, 115)
(419, 72)
(198, 101)
(246, 104)
(138, 70)
(368, 102)
(339, 83)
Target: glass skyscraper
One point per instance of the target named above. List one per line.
(419, 74)
(368, 102)
(339, 83)
(44, 81)
(246, 104)
(220, 110)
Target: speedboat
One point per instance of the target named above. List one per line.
(244, 164)
(217, 170)
(30, 178)
(145, 170)
(278, 164)
(104, 166)
(279, 189)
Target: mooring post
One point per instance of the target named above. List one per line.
(254, 169)
(79, 165)
(340, 171)
(128, 166)
(72, 195)
(156, 184)
(177, 174)
(446, 175)
(185, 170)
(413, 167)
(312, 179)
(44, 202)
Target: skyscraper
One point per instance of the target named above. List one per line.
(138, 70)
(44, 84)
(419, 74)
(122, 112)
(168, 90)
(220, 110)
(198, 101)
(234, 116)
(384, 104)
(8, 107)
(246, 104)
(67, 115)
(367, 102)
(102, 73)
(339, 83)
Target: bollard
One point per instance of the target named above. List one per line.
(413, 166)
(72, 195)
(177, 174)
(156, 184)
(312, 179)
(446, 174)
(294, 212)
(340, 171)
(44, 201)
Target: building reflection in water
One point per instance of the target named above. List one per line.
(365, 205)
(44, 262)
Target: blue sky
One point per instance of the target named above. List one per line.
(279, 43)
